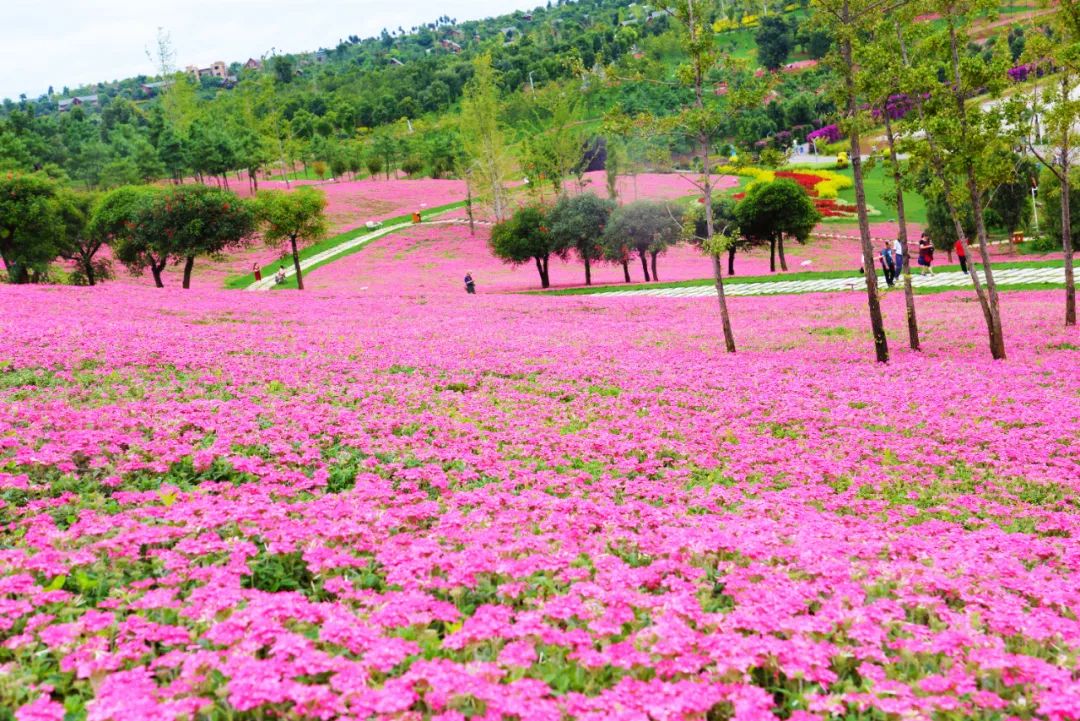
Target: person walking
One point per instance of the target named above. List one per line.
(257, 271)
(887, 263)
(926, 255)
(961, 255)
(470, 284)
(898, 250)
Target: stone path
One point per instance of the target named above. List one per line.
(938, 280)
(342, 248)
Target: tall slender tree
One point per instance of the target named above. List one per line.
(849, 22)
(882, 79)
(1059, 110)
(483, 139)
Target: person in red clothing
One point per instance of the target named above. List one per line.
(961, 255)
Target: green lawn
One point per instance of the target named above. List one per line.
(881, 194)
(777, 277)
(242, 281)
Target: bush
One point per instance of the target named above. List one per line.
(320, 169)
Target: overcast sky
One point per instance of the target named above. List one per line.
(73, 42)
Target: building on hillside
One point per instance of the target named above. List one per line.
(510, 33)
(253, 64)
(217, 69)
(81, 100)
(395, 61)
(321, 56)
(149, 90)
(450, 45)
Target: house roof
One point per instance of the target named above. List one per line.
(77, 100)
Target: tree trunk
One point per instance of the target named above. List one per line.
(780, 251)
(1066, 239)
(1066, 216)
(547, 271)
(731, 260)
(88, 270)
(901, 219)
(189, 263)
(652, 259)
(938, 164)
(706, 178)
(625, 270)
(644, 265)
(772, 254)
(156, 272)
(991, 309)
(588, 270)
(877, 326)
(296, 264)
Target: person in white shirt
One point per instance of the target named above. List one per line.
(898, 256)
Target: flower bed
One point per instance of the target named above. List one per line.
(417, 506)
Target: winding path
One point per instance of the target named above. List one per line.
(347, 247)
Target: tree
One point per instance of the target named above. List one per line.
(771, 211)
(1060, 112)
(774, 41)
(298, 217)
(524, 236)
(1050, 192)
(726, 225)
(116, 218)
(482, 137)
(849, 22)
(28, 224)
(1008, 207)
(969, 139)
(703, 122)
(75, 240)
(195, 220)
(940, 226)
(577, 222)
(883, 72)
(554, 148)
(646, 227)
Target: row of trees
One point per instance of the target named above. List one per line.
(598, 230)
(147, 228)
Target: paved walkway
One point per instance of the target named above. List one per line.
(938, 280)
(345, 247)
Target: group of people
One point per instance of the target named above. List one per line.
(892, 258)
(279, 276)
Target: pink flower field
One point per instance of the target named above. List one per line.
(418, 504)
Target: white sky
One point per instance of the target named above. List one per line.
(73, 42)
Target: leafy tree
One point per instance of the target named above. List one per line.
(116, 218)
(970, 139)
(75, 240)
(645, 227)
(524, 237)
(28, 224)
(774, 41)
(555, 147)
(195, 220)
(1061, 110)
(770, 211)
(1008, 207)
(1050, 192)
(482, 138)
(298, 217)
(883, 72)
(726, 225)
(577, 221)
(119, 171)
(940, 225)
(850, 22)
(703, 119)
